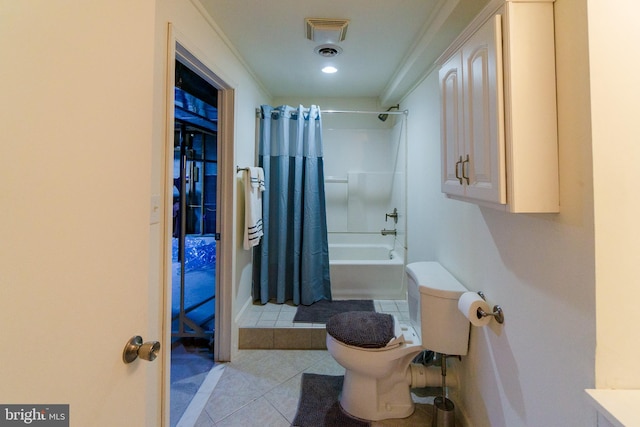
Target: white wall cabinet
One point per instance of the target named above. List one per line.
(498, 116)
(472, 117)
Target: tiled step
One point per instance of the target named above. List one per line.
(282, 338)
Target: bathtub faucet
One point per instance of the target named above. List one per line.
(386, 232)
(393, 215)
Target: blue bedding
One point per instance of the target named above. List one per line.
(200, 280)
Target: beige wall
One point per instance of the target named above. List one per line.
(539, 267)
(613, 35)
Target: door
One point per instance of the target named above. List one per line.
(484, 124)
(76, 217)
(472, 114)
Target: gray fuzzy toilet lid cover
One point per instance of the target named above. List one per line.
(364, 329)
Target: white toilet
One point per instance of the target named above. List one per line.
(379, 374)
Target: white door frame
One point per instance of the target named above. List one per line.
(180, 49)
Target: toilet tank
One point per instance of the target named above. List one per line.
(433, 295)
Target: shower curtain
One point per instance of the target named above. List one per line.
(292, 261)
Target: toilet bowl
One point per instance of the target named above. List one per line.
(378, 370)
(376, 380)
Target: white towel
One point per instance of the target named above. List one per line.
(253, 188)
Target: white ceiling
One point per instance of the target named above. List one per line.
(388, 47)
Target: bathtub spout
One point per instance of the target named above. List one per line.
(386, 232)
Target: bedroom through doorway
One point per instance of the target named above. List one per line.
(194, 235)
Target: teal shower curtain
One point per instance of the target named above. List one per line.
(292, 261)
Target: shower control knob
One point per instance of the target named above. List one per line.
(135, 348)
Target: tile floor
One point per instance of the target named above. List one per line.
(261, 387)
(190, 366)
(271, 326)
(281, 315)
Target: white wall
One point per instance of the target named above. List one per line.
(532, 370)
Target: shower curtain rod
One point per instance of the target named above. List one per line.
(365, 112)
(405, 112)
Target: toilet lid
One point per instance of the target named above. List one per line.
(366, 329)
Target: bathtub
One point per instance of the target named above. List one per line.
(366, 271)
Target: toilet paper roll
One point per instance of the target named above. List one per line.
(469, 303)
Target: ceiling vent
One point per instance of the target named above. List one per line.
(325, 30)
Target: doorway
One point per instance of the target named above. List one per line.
(200, 179)
(193, 241)
(195, 179)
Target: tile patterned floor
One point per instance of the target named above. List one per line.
(281, 315)
(190, 366)
(261, 387)
(271, 326)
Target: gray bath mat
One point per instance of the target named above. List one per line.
(319, 406)
(321, 311)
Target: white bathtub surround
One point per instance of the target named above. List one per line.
(368, 198)
(365, 172)
(366, 266)
(361, 253)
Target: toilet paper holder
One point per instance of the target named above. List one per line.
(497, 314)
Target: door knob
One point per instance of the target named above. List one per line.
(136, 348)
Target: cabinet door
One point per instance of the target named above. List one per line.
(451, 126)
(484, 114)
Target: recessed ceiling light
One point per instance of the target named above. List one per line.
(329, 70)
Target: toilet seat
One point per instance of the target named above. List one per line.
(366, 330)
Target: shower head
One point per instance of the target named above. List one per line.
(383, 117)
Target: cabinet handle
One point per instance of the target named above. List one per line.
(465, 176)
(459, 162)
